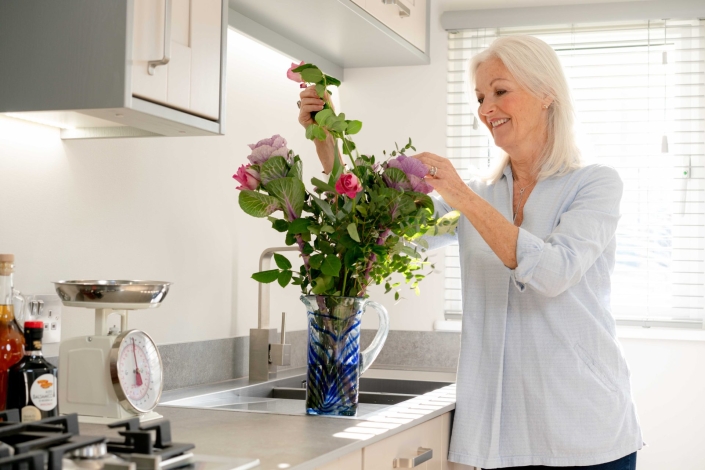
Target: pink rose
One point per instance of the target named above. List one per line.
(268, 148)
(348, 184)
(294, 76)
(247, 177)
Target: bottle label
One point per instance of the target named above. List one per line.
(43, 392)
(30, 413)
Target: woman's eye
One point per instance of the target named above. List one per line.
(480, 100)
(500, 92)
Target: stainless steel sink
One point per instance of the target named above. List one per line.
(286, 394)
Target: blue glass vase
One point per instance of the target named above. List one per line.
(335, 362)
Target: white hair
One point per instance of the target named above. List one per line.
(536, 68)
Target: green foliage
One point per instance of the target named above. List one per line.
(346, 244)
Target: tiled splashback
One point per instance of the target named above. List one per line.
(199, 362)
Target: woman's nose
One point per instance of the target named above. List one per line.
(486, 108)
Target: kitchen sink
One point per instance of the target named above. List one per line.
(287, 393)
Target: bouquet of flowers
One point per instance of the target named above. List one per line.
(354, 230)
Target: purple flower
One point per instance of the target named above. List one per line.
(414, 171)
(268, 148)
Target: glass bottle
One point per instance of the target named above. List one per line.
(31, 383)
(11, 338)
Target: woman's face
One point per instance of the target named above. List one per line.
(515, 118)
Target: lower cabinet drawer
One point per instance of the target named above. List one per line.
(429, 435)
(352, 461)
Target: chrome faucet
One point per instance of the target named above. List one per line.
(266, 356)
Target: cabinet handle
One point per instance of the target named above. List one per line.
(424, 455)
(404, 11)
(153, 64)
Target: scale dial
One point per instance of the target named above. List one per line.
(136, 371)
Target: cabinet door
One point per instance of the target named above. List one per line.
(352, 461)
(412, 28)
(205, 58)
(170, 83)
(381, 455)
(191, 80)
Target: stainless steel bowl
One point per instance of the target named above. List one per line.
(112, 294)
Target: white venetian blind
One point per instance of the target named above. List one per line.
(638, 88)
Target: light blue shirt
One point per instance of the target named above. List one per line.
(541, 377)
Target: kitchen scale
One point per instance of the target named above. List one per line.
(114, 374)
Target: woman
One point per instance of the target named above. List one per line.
(541, 377)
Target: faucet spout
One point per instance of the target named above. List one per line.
(264, 355)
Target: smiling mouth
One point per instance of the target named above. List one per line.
(499, 122)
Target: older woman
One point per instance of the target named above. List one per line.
(541, 377)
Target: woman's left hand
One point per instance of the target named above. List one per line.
(446, 181)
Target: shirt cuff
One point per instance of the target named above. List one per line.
(529, 251)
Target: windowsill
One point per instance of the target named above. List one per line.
(623, 332)
(672, 334)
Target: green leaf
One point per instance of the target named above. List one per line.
(321, 90)
(352, 231)
(280, 225)
(327, 228)
(258, 204)
(311, 75)
(332, 81)
(284, 278)
(331, 265)
(325, 207)
(395, 175)
(310, 131)
(272, 169)
(322, 115)
(290, 192)
(322, 185)
(338, 126)
(299, 226)
(354, 127)
(303, 67)
(337, 166)
(282, 261)
(266, 276)
(319, 133)
(320, 284)
(296, 170)
(316, 260)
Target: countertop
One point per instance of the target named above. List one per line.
(295, 442)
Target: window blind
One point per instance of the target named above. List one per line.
(638, 89)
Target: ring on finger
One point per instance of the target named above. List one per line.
(298, 103)
(432, 171)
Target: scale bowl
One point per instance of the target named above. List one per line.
(115, 295)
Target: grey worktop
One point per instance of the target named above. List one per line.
(302, 442)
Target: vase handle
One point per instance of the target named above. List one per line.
(368, 356)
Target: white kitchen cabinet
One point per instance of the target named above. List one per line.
(433, 434)
(358, 33)
(428, 435)
(84, 66)
(405, 17)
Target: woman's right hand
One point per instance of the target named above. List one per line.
(310, 103)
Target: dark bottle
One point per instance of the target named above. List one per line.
(31, 383)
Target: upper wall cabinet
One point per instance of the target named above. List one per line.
(343, 33)
(118, 68)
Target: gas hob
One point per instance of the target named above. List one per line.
(56, 444)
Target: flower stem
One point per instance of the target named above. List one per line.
(380, 241)
(305, 257)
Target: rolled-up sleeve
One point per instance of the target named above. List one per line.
(584, 230)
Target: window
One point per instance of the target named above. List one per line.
(638, 89)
